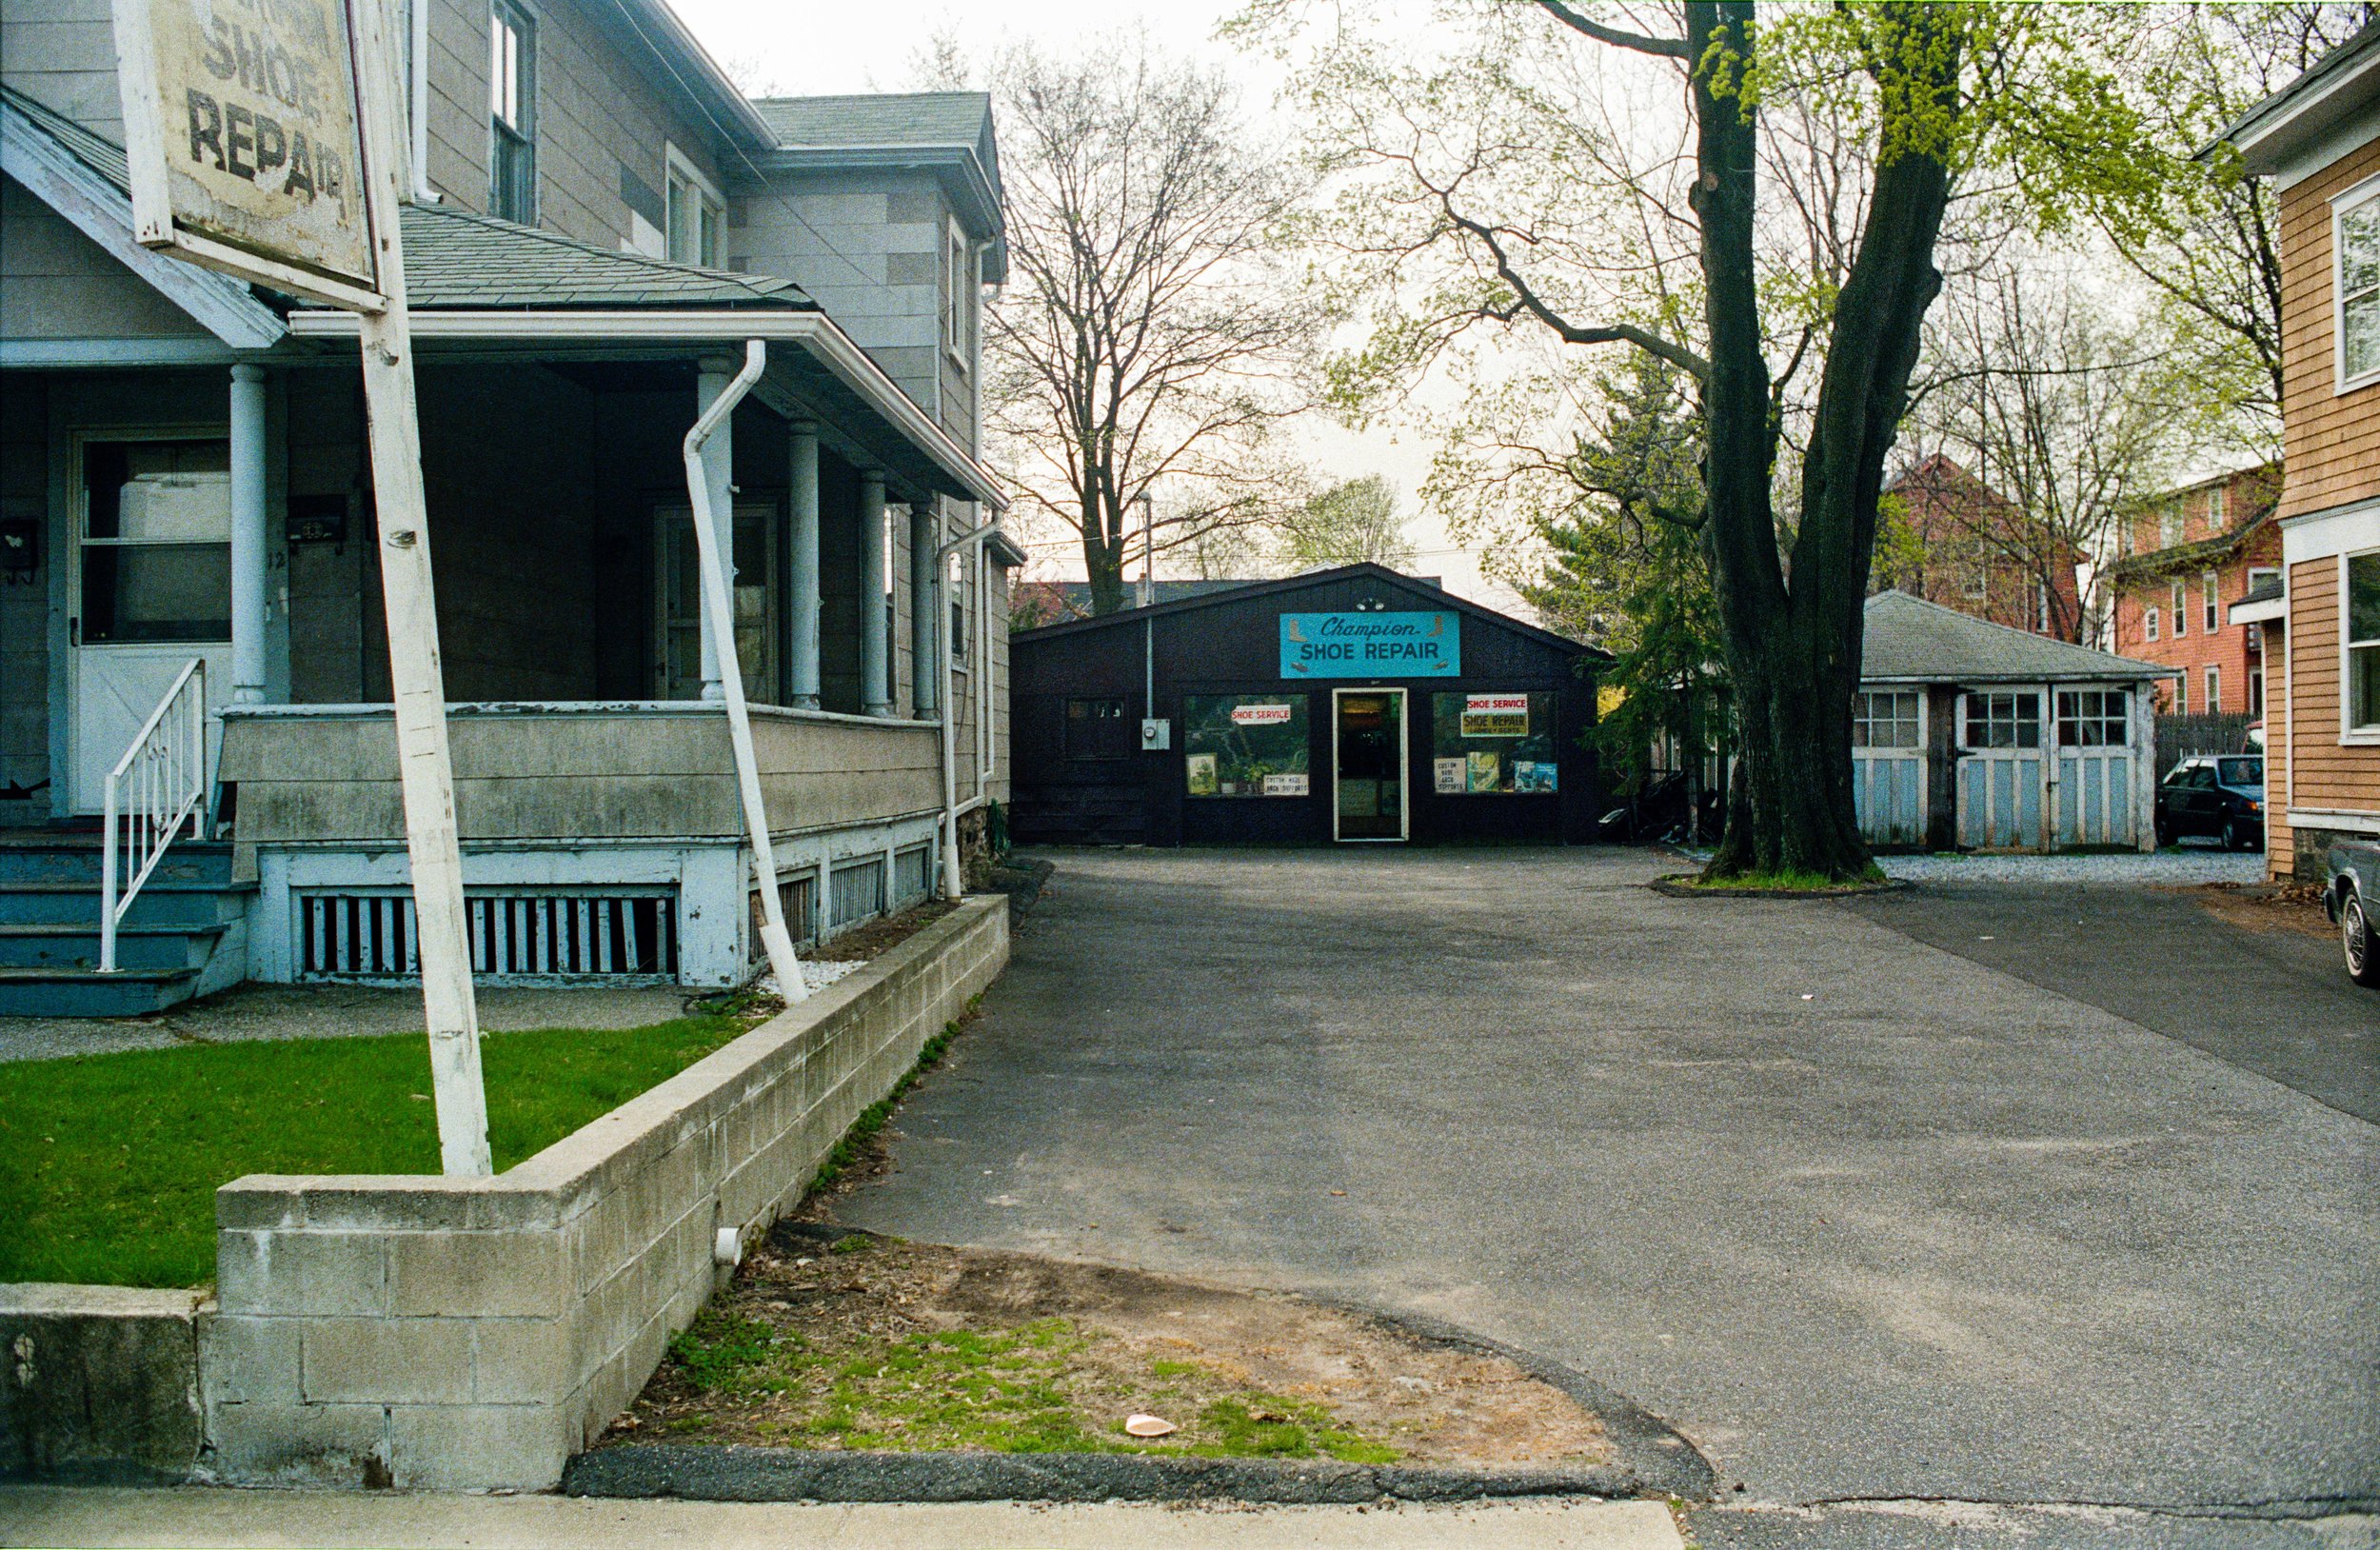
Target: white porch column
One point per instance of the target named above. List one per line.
(926, 536)
(248, 534)
(718, 459)
(875, 569)
(801, 608)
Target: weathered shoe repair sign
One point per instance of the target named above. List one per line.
(242, 134)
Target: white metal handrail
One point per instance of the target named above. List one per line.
(165, 774)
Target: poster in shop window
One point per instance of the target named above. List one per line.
(1496, 715)
(1486, 771)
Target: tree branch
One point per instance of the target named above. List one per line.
(1664, 48)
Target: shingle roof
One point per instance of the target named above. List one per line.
(1910, 639)
(910, 118)
(456, 259)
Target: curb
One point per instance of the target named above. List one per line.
(1653, 1461)
(1675, 886)
(736, 1473)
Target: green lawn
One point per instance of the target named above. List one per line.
(108, 1164)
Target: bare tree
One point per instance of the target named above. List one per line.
(1348, 524)
(2063, 410)
(1152, 337)
(2189, 222)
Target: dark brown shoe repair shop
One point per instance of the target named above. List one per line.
(1346, 706)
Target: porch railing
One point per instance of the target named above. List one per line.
(158, 785)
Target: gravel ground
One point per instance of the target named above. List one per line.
(2169, 867)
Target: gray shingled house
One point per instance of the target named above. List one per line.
(601, 223)
(1971, 735)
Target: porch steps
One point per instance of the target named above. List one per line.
(185, 934)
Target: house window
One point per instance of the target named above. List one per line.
(2003, 721)
(1096, 729)
(695, 215)
(2255, 688)
(2170, 525)
(512, 114)
(2181, 697)
(1884, 719)
(2255, 640)
(2355, 241)
(1244, 745)
(156, 542)
(2360, 643)
(959, 293)
(2149, 622)
(2214, 690)
(2180, 618)
(2209, 588)
(2093, 718)
(955, 580)
(2215, 508)
(1978, 580)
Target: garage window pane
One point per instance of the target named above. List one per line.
(2093, 718)
(1885, 719)
(2003, 721)
(1244, 745)
(1493, 745)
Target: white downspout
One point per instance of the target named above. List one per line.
(716, 602)
(954, 883)
(983, 746)
(418, 93)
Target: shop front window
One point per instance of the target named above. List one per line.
(1245, 745)
(1489, 745)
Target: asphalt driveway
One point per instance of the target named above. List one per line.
(1875, 1225)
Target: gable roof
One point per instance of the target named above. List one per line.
(886, 118)
(1424, 592)
(949, 133)
(2302, 115)
(1907, 640)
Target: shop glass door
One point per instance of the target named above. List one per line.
(1368, 742)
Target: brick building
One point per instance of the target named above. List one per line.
(1966, 547)
(2182, 559)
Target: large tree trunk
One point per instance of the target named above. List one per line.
(1793, 638)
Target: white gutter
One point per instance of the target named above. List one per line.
(814, 331)
(954, 882)
(716, 602)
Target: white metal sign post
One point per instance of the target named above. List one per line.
(266, 140)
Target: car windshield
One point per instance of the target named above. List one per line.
(2243, 772)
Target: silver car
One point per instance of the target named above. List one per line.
(2351, 896)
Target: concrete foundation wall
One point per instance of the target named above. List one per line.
(469, 1334)
(98, 1384)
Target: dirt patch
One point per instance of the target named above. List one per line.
(863, 943)
(2265, 907)
(879, 1344)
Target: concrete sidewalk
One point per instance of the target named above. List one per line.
(44, 1516)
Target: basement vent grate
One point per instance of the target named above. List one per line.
(857, 890)
(529, 934)
(912, 871)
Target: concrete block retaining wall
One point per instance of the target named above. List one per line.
(458, 1334)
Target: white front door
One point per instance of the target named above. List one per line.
(149, 588)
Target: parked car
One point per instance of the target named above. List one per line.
(2220, 796)
(2351, 887)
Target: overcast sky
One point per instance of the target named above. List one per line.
(815, 48)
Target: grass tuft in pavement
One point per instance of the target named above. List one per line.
(108, 1164)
